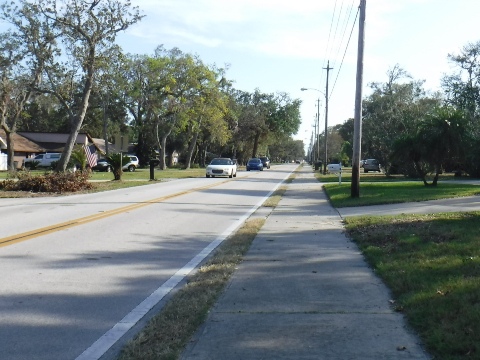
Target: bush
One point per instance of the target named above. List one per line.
(33, 165)
(51, 182)
(116, 160)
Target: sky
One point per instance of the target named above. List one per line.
(284, 45)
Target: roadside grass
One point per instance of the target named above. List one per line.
(144, 174)
(377, 177)
(396, 192)
(347, 176)
(431, 263)
(273, 200)
(103, 181)
(138, 174)
(168, 333)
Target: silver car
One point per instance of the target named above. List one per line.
(132, 164)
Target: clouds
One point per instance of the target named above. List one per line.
(279, 45)
(268, 27)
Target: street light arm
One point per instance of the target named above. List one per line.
(320, 91)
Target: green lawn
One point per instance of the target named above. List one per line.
(431, 263)
(144, 174)
(103, 181)
(139, 174)
(376, 193)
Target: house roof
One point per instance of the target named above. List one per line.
(55, 142)
(21, 144)
(100, 144)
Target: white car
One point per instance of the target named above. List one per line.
(221, 167)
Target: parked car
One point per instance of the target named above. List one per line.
(41, 160)
(265, 162)
(371, 165)
(221, 167)
(254, 164)
(102, 165)
(132, 164)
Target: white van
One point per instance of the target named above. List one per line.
(41, 160)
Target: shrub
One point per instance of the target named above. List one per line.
(33, 165)
(78, 157)
(50, 182)
(116, 160)
(7, 184)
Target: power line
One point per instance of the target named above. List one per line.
(337, 15)
(328, 41)
(336, 29)
(345, 24)
(346, 48)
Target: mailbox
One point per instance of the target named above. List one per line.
(334, 168)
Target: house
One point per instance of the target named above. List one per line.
(28, 144)
(23, 148)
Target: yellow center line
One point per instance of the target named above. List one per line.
(10, 240)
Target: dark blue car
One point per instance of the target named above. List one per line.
(254, 164)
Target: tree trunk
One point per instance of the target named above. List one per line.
(190, 150)
(163, 164)
(255, 144)
(10, 148)
(105, 133)
(78, 119)
(438, 170)
(163, 143)
(203, 153)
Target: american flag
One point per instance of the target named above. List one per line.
(91, 153)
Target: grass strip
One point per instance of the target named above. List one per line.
(167, 334)
(396, 192)
(144, 174)
(431, 263)
(380, 177)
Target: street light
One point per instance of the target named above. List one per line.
(326, 123)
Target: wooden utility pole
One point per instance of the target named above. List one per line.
(357, 121)
(328, 68)
(318, 127)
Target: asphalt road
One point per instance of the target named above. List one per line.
(78, 272)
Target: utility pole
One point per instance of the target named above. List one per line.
(357, 121)
(328, 68)
(312, 154)
(318, 127)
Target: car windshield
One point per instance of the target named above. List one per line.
(221, 162)
(254, 161)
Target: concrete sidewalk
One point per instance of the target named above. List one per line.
(304, 291)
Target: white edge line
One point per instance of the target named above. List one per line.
(107, 340)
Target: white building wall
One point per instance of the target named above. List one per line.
(3, 161)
